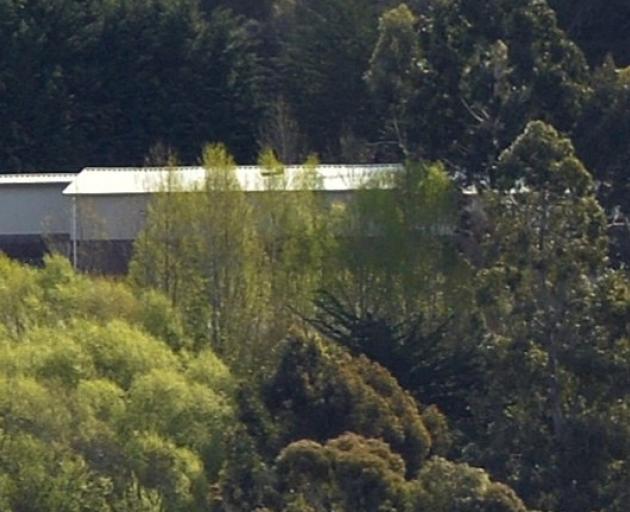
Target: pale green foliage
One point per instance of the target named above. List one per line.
(59, 357)
(39, 475)
(121, 353)
(190, 414)
(200, 248)
(19, 297)
(176, 472)
(57, 297)
(139, 499)
(273, 168)
(244, 259)
(96, 414)
(206, 368)
(163, 242)
(70, 296)
(295, 231)
(101, 399)
(31, 407)
(160, 319)
(397, 254)
(229, 260)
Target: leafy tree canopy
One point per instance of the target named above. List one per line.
(96, 412)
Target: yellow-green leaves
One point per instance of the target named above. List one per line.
(96, 413)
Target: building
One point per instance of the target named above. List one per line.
(94, 216)
(35, 215)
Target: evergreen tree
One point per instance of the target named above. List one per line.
(324, 48)
(134, 73)
(473, 78)
(601, 134)
(546, 262)
(598, 27)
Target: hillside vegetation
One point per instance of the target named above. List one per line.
(454, 337)
(93, 83)
(409, 349)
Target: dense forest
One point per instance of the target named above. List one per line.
(100, 83)
(454, 337)
(93, 83)
(412, 348)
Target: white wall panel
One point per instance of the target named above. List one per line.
(34, 209)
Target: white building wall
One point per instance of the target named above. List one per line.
(111, 217)
(34, 209)
(122, 216)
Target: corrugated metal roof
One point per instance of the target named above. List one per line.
(144, 180)
(36, 178)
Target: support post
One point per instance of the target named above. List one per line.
(74, 232)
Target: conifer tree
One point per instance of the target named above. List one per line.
(546, 254)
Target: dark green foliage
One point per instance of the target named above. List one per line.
(132, 74)
(478, 74)
(259, 10)
(109, 402)
(248, 481)
(162, 93)
(602, 134)
(453, 80)
(556, 345)
(448, 487)
(319, 392)
(352, 473)
(401, 294)
(347, 473)
(541, 160)
(427, 364)
(38, 61)
(599, 27)
(324, 48)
